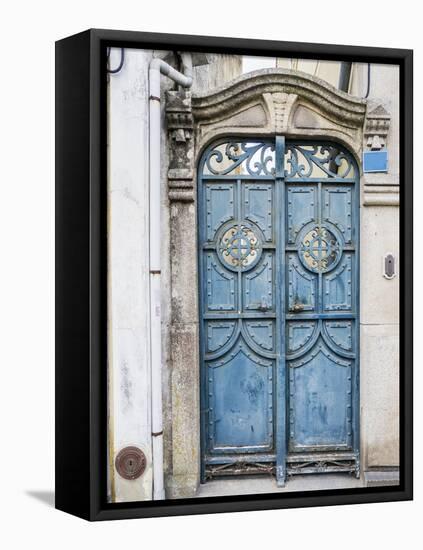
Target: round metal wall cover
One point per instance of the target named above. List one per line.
(130, 462)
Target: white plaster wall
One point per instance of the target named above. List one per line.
(326, 70)
(129, 363)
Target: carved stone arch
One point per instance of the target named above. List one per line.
(279, 101)
(263, 103)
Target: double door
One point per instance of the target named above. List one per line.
(278, 290)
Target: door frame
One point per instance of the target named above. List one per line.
(262, 104)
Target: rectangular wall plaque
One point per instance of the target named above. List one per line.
(375, 161)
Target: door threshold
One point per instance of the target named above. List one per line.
(260, 484)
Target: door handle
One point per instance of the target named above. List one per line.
(263, 306)
(297, 307)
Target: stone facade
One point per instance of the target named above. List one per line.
(262, 103)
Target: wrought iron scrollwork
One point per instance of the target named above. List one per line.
(327, 465)
(252, 158)
(328, 160)
(240, 468)
(257, 159)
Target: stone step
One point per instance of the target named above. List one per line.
(380, 478)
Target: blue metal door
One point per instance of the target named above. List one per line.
(278, 237)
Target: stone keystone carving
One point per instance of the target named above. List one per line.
(280, 106)
(180, 128)
(377, 127)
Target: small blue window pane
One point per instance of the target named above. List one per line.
(375, 161)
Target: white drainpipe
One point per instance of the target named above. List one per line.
(157, 67)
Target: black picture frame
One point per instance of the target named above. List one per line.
(81, 267)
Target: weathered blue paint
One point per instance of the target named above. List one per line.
(278, 256)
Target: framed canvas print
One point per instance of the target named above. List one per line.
(234, 274)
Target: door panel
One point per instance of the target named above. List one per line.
(337, 209)
(258, 206)
(262, 333)
(238, 251)
(322, 294)
(301, 209)
(220, 206)
(320, 415)
(340, 333)
(222, 286)
(219, 333)
(300, 334)
(338, 286)
(258, 286)
(302, 286)
(240, 392)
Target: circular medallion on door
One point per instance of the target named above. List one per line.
(320, 248)
(239, 246)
